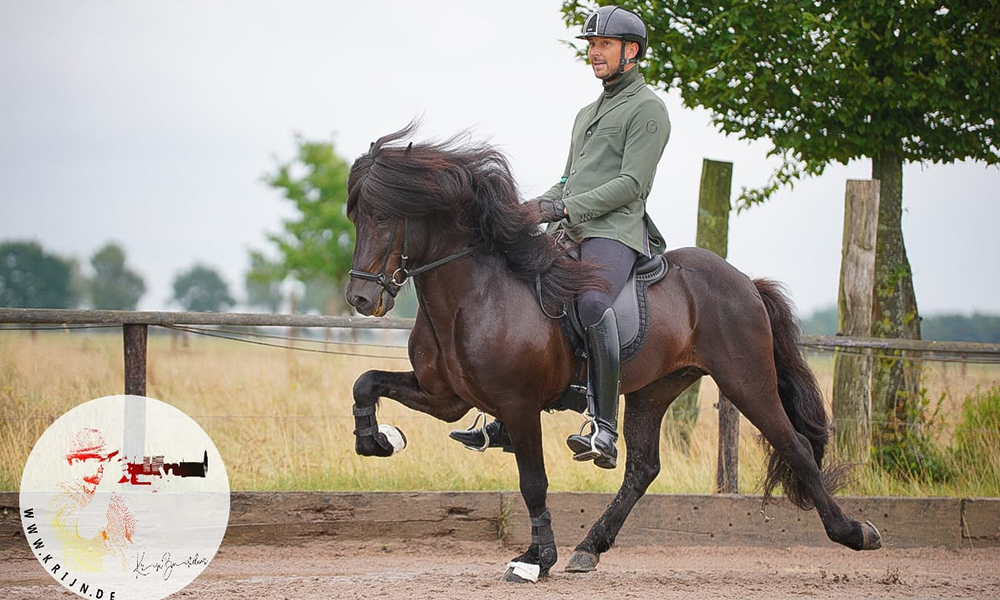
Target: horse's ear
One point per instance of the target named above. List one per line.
(408, 148)
(370, 147)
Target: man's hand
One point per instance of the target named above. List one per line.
(546, 211)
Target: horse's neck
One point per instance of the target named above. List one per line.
(464, 285)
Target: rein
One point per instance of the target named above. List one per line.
(393, 284)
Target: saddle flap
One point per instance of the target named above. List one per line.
(630, 305)
(631, 308)
(626, 309)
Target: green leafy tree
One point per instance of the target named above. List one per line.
(114, 285)
(834, 81)
(33, 278)
(319, 243)
(202, 289)
(263, 282)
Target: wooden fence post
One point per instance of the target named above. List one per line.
(728, 463)
(135, 359)
(713, 234)
(852, 371)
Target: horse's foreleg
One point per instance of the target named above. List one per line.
(526, 434)
(644, 411)
(404, 388)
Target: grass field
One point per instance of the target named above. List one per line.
(282, 420)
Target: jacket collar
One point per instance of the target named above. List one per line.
(618, 93)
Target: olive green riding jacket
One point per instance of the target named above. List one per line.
(616, 144)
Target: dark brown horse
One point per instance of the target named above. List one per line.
(448, 216)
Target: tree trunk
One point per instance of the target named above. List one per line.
(895, 379)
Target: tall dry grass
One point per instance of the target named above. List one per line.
(282, 419)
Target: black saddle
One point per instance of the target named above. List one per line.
(632, 315)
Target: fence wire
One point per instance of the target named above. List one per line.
(236, 337)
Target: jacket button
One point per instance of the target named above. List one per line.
(582, 152)
(589, 132)
(573, 172)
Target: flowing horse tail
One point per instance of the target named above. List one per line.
(800, 397)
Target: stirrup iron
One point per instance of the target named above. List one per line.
(486, 436)
(588, 419)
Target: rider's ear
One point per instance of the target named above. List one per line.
(631, 50)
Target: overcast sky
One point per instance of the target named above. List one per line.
(151, 123)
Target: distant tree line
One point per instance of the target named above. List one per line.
(943, 328)
(32, 277)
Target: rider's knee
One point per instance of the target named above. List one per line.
(591, 307)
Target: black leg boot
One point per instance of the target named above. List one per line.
(605, 370)
(492, 435)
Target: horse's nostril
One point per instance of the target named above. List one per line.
(358, 301)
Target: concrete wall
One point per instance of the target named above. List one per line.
(281, 518)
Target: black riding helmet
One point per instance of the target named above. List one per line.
(616, 22)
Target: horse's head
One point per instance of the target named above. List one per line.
(429, 204)
(377, 271)
(379, 204)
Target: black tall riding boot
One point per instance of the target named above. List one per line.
(605, 370)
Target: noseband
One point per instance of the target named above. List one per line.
(393, 284)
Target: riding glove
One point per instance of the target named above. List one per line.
(546, 211)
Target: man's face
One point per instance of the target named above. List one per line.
(605, 55)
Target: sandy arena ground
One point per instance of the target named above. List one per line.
(468, 570)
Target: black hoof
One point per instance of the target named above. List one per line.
(582, 562)
(872, 537)
(521, 573)
(510, 577)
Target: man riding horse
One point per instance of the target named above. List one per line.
(600, 202)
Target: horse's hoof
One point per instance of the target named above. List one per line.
(872, 538)
(519, 572)
(582, 562)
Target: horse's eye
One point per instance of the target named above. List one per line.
(381, 219)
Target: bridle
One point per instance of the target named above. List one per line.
(393, 284)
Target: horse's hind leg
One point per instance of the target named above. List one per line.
(404, 388)
(765, 411)
(643, 415)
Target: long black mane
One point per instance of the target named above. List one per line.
(474, 183)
